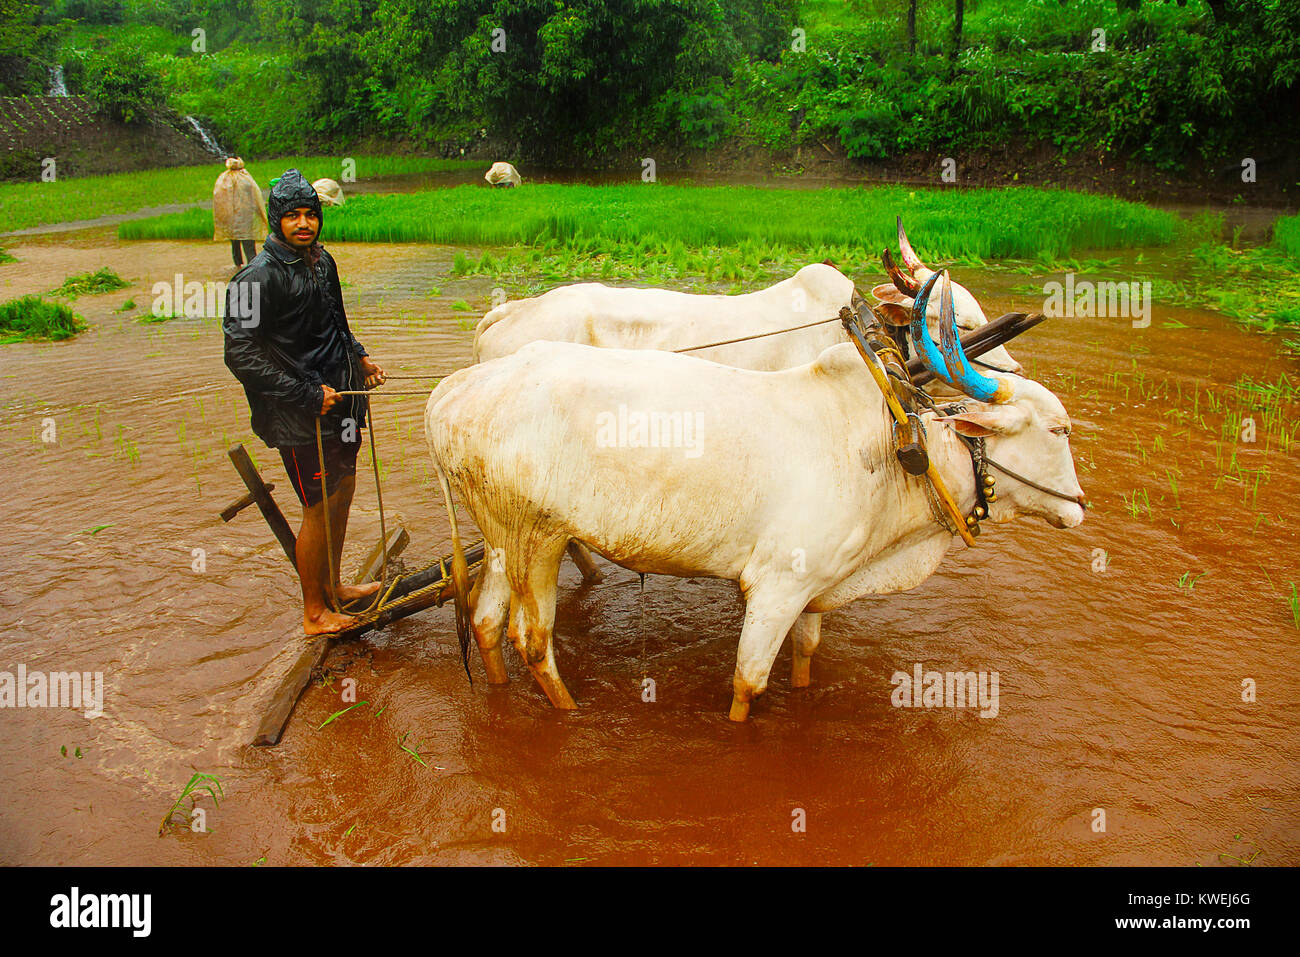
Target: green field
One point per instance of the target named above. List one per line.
(983, 224)
(23, 205)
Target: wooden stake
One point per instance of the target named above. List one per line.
(261, 493)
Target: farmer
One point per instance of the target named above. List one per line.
(288, 342)
(237, 213)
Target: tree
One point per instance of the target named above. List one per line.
(956, 29)
(20, 42)
(122, 88)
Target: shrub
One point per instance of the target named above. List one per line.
(122, 87)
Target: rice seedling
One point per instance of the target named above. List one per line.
(338, 714)
(1293, 602)
(413, 752)
(90, 283)
(1173, 486)
(1136, 502)
(845, 223)
(209, 783)
(125, 448)
(31, 318)
(1188, 580)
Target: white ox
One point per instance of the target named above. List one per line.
(594, 314)
(630, 318)
(784, 482)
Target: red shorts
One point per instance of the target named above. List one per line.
(302, 462)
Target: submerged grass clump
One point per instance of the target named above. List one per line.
(677, 220)
(32, 318)
(90, 283)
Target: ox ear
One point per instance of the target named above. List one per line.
(894, 314)
(886, 292)
(985, 420)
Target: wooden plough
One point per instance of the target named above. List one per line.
(428, 588)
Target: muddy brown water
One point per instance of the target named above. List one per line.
(1119, 690)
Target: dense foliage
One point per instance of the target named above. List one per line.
(575, 80)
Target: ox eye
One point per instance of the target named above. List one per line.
(1061, 430)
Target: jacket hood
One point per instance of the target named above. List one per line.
(289, 192)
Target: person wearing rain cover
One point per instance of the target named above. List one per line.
(237, 213)
(288, 343)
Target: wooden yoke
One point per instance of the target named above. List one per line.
(852, 325)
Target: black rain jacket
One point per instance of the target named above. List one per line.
(297, 338)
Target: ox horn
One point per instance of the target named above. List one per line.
(901, 280)
(948, 361)
(910, 259)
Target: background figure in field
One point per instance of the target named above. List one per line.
(237, 211)
(329, 191)
(504, 175)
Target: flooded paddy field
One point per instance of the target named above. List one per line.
(1123, 648)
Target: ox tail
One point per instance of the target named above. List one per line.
(459, 574)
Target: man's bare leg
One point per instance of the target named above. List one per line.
(313, 572)
(340, 506)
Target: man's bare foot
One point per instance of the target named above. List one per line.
(349, 593)
(326, 623)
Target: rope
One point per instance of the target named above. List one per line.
(761, 335)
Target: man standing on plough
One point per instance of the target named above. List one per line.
(289, 344)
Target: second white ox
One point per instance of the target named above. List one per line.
(784, 482)
(629, 318)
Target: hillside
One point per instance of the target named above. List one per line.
(83, 142)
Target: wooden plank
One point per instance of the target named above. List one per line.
(398, 539)
(295, 681)
(237, 506)
(262, 496)
(291, 688)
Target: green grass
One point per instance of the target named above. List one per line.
(23, 205)
(91, 283)
(32, 318)
(1286, 236)
(988, 224)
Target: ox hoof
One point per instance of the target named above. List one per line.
(739, 710)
